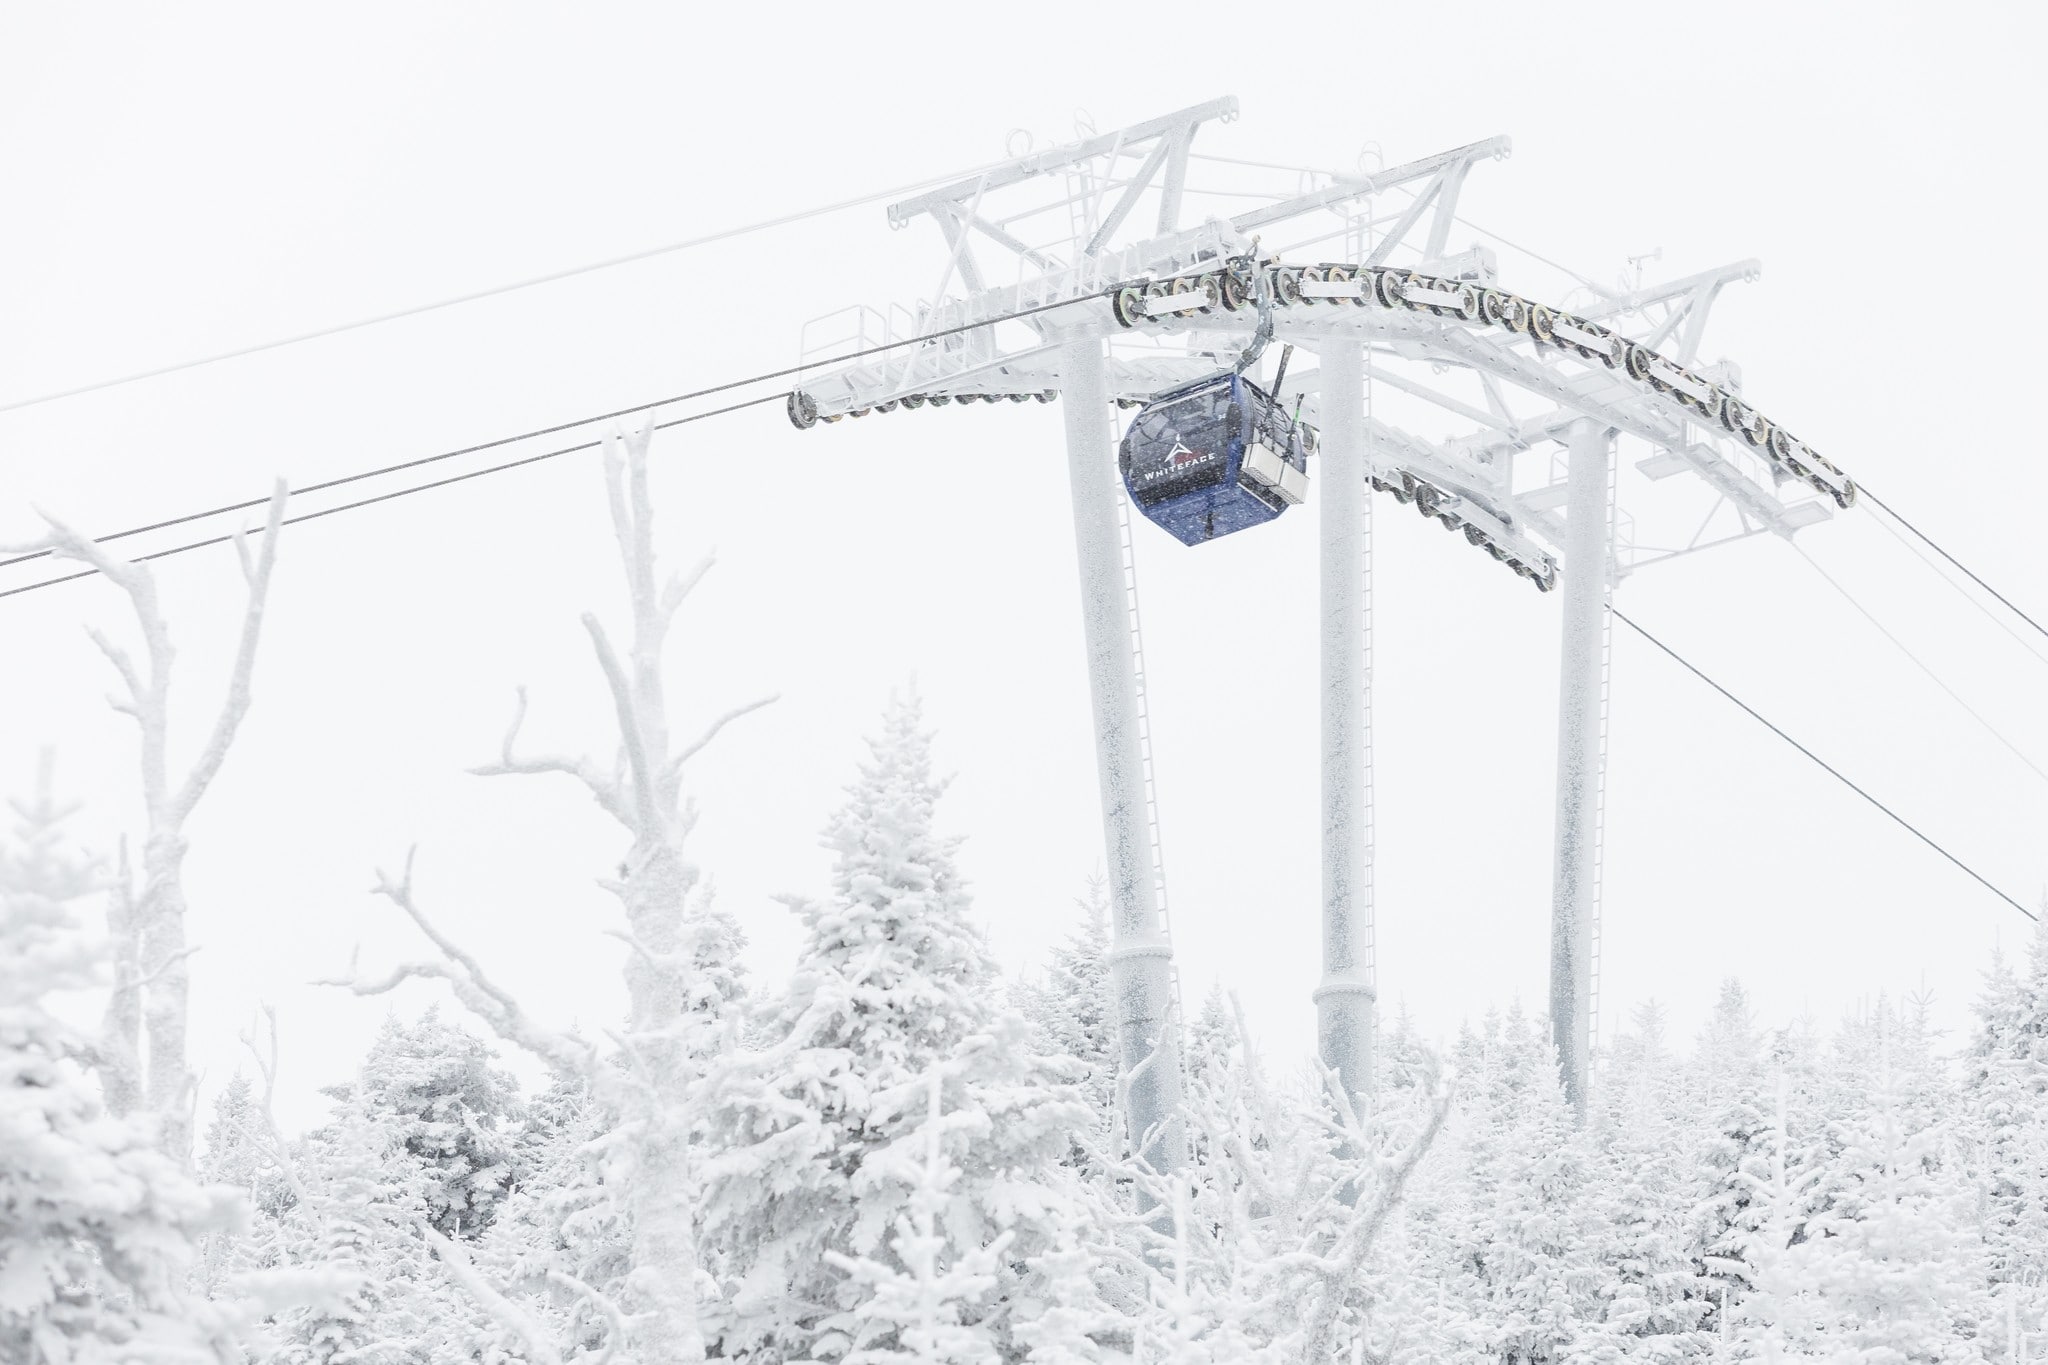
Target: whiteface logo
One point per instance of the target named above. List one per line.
(1178, 460)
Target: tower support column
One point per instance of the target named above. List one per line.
(1579, 756)
(1344, 997)
(1141, 955)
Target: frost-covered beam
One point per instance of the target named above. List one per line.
(1060, 158)
(1347, 188)
(1141, 956)
(1579, 756)
(1344, 997)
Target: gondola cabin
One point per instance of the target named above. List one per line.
(1215, 457)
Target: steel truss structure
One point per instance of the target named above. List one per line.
(1136, 299)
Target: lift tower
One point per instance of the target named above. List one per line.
(1360, 268)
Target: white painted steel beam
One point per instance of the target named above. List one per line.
(1344, 998)
(1141, 956)
(1579, 755)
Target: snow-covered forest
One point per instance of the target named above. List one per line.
(889, 1152)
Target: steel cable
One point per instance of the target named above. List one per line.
(1863, 490)
(1920, 663)
(558, 427)
(476, 295)
(1832, 771)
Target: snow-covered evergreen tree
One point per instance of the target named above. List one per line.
(923, 1297)
(1072, 1012)
(1213, 1040)
(233, 1159)
(1723, 1100)
(97, 1226)
(1890, 1270)
(1641, 1202)
(561, 1218)
(1401, 1058)
(438, 1091)
(2005, 1138)
(358, 1224)
(817, 1143)
(230, 1156)
(1515, 1244)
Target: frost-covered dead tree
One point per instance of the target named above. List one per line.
(1274, 1228)
(143, 1054)
(647, 1087)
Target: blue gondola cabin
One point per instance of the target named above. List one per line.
(1215, 457)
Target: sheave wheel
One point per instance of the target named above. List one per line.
(1124, 305)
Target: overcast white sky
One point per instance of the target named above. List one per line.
(192, 180)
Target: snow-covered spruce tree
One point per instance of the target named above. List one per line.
(1073, 1015)
(1890, 1270)
(1641, 1202)
(1401, 1058)
(2005, 1129)
(921, 1297)
(1515, 1237)
(1722, 1101)
(357, 1225)
(1881, 1053)
(560, 1216)
(1214, 1042)
(96, 1225)
(232, 1158)
(817, 1142)
(142, 1055)
(1216, 1057)
(438, 1090)
(680, 973)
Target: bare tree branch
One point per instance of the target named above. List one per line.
(604, 1305)
(507, 1313)
(615, 504)
(648, 1082)
(146, 696)
(699, 744)
(123, 665)
(645, 811)
(604, 790)
(472, 986)
(157, 971)
(681, 585)
(236, 704)
(148, 1017)
(1347, 1255)
(275, 1148)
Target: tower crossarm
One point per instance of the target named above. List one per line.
(1445, 176)
(1688, 301)
(1442, 484)
(1708, 449)
(1032, 373)
(972, 361)
(1178, 303)
(1654, 417)
(1172, 132)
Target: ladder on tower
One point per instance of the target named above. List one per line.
(1367, 831)
(1128, 552)
(1600, 769)
(1363, 891)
